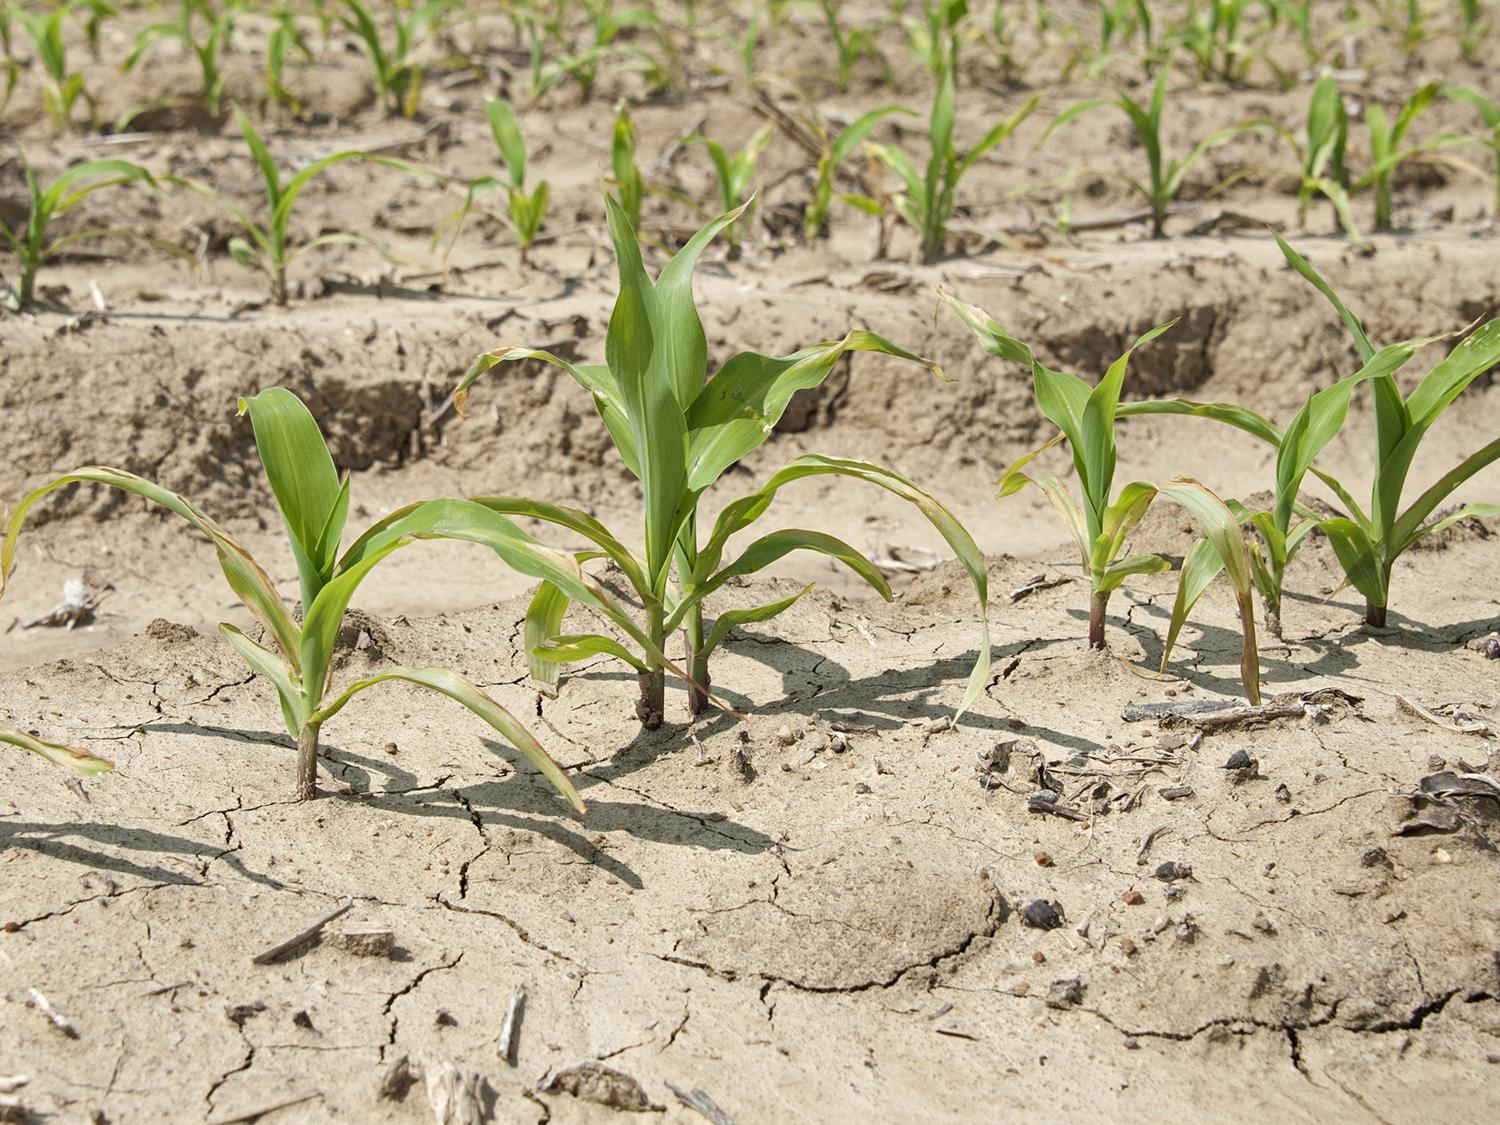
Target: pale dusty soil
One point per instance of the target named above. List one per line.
(837, 940)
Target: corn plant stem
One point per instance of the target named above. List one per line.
(1374, 615)
(651, 706)
(1097, 607)
(697, 663)
(307, 762)
(1250, 655)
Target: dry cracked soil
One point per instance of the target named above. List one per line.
(843, 907)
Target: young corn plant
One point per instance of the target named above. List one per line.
(62, 89)
(1475, 26)
(928, 199)
(206, 44)
(735, 176)
(398, 78)
(68, 757)
(627, 173)
(933, 37)
(1280, 530)
(1217, 36)
(31, 242)
(1321, 159)
(836, 150)
(285, 39)
(1388, 155)
(297, 657)
(525, 210)
(1101, 519)
(852, 44)
(269, 247)
(678, 429)
(1369, 543)
(1165, 178)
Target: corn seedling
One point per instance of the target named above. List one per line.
(1489, 113)
(268, 247)
(31, 243)
(1368, 545)
(1474, 28)
(605, 25)
(525, 210)
(837, 150)
(62, 88)
(1165, 179)
(852, 44)
(678, 430)
(398, 78)
(297, 658)
(1387, 153)
(285, 38)
(1102, 519)
(627, 173)
(205, 43)
(1215, 34)
(735, 175)
(1281, 529)
(927, 201)
(68, 757)
(1321, 159)
(933, 37)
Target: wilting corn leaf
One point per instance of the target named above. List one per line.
(1222, 532)
(69, 757)
(733, 618)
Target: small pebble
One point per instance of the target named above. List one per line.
(1127, 947)
(785, 736)
(1492, 648)
(1133, 897)
(1042, 859)
(1039, 957)
(1132, 1044)
(1065, 993)
(1170, 871)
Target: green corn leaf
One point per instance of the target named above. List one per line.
(579, 522)
(471, 696)
(656, 418)
(1239, 417)
(1409, 527)
(682, 348)
(568, 649)
(1116, 522)
(68, 757)
(508, 138)
(740, 406)
(1351, 322)
(314, 502)
(776, 545)
(1114, 574)
(731, 619)
(468, 521)
(1094, 457)
(1222, 531)
(1358, 556)
(1466, 512)
(854, 134)
(268, 665)
(250, 583)
(544, 618)
(269, 173)
(1014, 478)
(997, 134)
(1202, 565)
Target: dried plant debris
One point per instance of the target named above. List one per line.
(458, 1097)
(696, 1099)
(592, 1081)
(1217, 714)
(1460, 718)
(365, 941)
(302, 937)
(399, 1077)
(81, 597)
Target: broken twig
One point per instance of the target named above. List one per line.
(302, 937)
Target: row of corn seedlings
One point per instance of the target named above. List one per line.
(554, 41)
(678, 427)
(926, 197)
